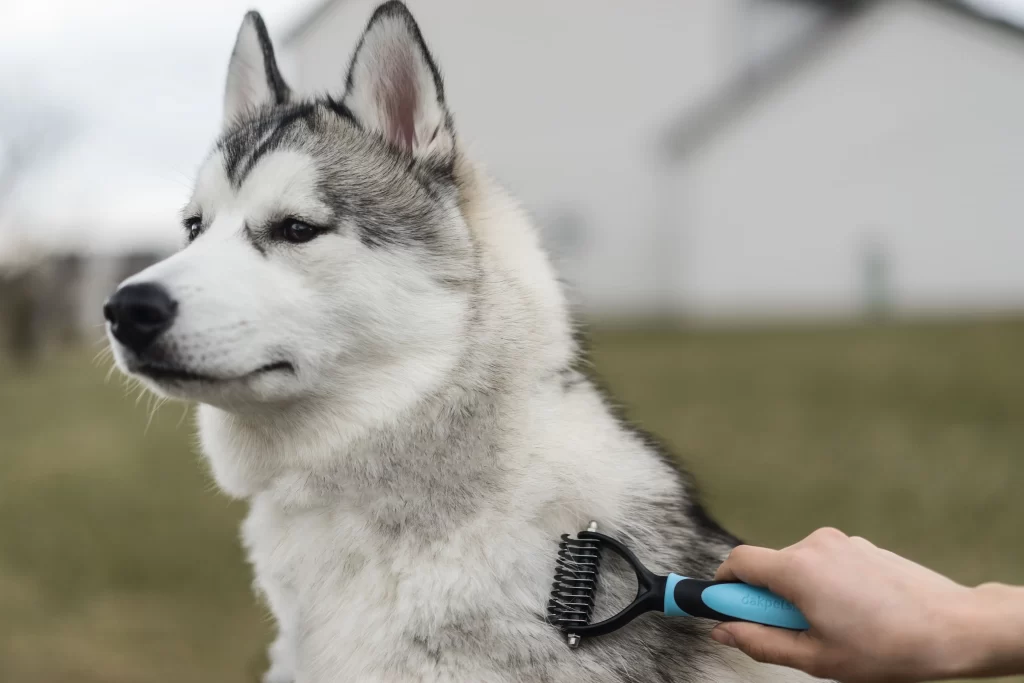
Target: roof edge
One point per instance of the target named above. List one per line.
(967, 11)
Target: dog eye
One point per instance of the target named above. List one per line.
(296, 232)
(193, 226)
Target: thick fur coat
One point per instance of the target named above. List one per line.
(387, 372)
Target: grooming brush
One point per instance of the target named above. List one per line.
(576, 574)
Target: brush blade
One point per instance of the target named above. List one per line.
(571, 604)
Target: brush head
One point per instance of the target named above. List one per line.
(575, 588)
(572, 594)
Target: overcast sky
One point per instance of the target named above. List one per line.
(139, 83)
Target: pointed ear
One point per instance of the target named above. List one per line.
(253, 76)
(395, 89)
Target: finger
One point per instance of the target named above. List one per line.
(795, 649)
(750, 564)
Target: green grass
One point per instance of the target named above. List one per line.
(120, 563)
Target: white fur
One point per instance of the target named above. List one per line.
(343, 595)
(409, 480)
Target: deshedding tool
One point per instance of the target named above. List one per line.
(575, 587)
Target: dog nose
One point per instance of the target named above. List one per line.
(138, 314)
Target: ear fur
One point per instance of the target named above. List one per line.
(395, 89)
(253, 76)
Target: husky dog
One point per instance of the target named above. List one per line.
(388, 374)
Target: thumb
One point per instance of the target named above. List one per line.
(769, 645)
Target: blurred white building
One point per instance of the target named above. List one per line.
(899, 144)
(721, 157)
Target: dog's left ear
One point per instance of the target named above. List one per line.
(253, 76)
(395, 89)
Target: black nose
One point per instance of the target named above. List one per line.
(138, 314)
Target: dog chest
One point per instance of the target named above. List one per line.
(370, 602)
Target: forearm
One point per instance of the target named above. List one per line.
(992, 632)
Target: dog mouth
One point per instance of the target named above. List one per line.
(168, 373)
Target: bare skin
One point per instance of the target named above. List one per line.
(874, 615)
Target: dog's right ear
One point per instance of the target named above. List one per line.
(253, 76)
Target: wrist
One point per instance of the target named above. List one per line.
(991, 632)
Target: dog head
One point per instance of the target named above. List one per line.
(325, 253)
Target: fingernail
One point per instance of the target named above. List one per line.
(723, 636)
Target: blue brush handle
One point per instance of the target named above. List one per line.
(730, 601)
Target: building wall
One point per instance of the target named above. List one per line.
(564, 102)
(898, 146)
(906, 141)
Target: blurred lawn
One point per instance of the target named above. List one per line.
(120, 564)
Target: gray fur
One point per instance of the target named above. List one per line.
(411, 472)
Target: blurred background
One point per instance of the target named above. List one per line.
(794, 228)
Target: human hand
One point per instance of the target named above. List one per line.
(874, 615)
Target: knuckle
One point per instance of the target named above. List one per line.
(811, 656)
(861, 541)
(827, 535)
(738, 554)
